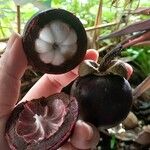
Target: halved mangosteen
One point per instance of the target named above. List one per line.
(54, 41)
(44, 123)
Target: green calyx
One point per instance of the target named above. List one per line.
(88, 67)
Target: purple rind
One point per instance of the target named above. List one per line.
(57, 139)
(104, 101)
(31, 32)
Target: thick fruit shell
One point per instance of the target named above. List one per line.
(23, 115)
(103, 100)
(31, 33)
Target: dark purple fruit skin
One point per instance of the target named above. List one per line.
(31, 32)
(55, 141)
(103, 100)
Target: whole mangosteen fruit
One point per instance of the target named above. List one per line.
(104, 97)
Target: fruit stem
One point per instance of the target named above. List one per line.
(141, 88)
(108, 57)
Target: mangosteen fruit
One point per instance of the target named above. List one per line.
(44, 123)
(104, 97)
(54, 41)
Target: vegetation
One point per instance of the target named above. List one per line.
(86, 10)
(138, 57)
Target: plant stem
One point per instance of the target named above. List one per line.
(141, 88)
(135, 27)
(18, 19)
(97, 21)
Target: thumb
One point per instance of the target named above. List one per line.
(12, 66)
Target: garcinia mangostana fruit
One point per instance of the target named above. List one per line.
(54, 41)
(42, 124)
(103, 93)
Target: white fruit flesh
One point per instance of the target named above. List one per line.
(57, 42)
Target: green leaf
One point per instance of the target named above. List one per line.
(113, 142)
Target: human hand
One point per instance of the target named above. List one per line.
(12, 67)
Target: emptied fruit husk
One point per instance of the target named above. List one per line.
(18, 141)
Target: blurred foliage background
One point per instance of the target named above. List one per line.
(86, 10)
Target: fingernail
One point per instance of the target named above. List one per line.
(11, 40)
(129, 70)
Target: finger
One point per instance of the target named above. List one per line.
(85, 136)
(50, 84)
(12, 66)
(129, 70)
(92, 54)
